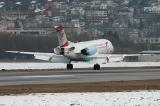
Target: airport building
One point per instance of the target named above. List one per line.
(144, 56)
(29, 32)
(153, 56)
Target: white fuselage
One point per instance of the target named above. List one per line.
(102, 46)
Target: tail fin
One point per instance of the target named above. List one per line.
(62, 39)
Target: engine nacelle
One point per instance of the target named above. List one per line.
(91, 50)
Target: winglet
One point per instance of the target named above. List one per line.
(58, 27)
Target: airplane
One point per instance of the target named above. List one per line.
(93, 51)
(81, 51)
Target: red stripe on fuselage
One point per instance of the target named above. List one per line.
(102, 45)
(62, 34)
(65, 44)
(106, 44)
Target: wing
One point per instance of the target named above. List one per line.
(104, 58)
(45, 56)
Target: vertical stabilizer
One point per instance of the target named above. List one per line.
(62, 39)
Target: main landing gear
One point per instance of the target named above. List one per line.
(69, 66)
(95, 67)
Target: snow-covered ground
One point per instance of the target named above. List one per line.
(133, 98)
(34, 65)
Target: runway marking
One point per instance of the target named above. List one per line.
(28, 77)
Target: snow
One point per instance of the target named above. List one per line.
(132, 98)
(34, 65)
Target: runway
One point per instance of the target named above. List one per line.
(76, 76)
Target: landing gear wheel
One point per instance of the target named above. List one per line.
(96, 67)
(69, 66)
